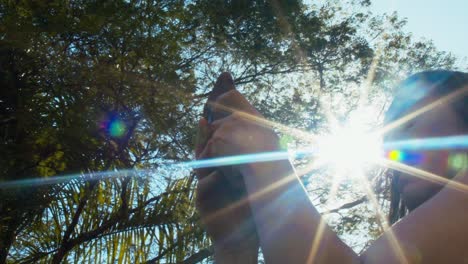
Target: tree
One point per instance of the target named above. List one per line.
(116, 86)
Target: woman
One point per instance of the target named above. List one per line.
(278, 215)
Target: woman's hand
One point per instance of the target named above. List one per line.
(222, 199)
(222, 204)
(243, 131)
(285, 220)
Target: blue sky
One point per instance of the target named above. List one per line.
(445, 22)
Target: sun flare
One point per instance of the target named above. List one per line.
(350, 147)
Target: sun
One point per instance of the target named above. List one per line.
(350, 147)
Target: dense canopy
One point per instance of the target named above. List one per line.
(92, 86)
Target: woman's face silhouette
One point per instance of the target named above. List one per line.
(439, 122)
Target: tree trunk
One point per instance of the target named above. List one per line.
(7, 237)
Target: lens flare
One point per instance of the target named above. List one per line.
(458, 161)
(395, 155)
(117, 128)
(114, 126)
(433, 143)
(406, 157)
(349, 148)
(334, 150)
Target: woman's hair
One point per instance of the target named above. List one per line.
(411, 91)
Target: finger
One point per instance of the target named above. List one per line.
(207, 189)
(218, 180)
(203, 172)
(227, 122)
(201, 137)
(206, 184)
(201, 149)
(213, 192)
(234, 180)
(233, 101)
(205, 153)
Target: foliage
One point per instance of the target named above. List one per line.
(91, 86)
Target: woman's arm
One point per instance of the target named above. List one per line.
(290, 229)
(286, 221)
(243, 254)
(232, 231)
(435, 232)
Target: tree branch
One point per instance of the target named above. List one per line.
(199, 256)
(347, 205)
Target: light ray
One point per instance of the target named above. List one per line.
(286, 29)
(252, 197)
(383, 220)
(258, 195)
(276, 185)
(452, 142)
(425, 175)
(196, 164)
(370, 76)
(443, 100)
(66, 178)
(322, 224)
(261, 193)
(371, 196)
(297, 133)
(249, 158)
(369, 192)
